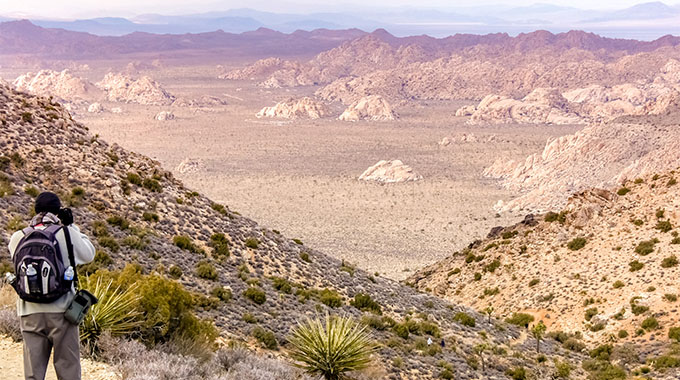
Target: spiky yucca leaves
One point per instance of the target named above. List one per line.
(332, 347)
(116, 312)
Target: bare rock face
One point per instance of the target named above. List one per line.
(293, 109)
(393, 171)
(123, 88)
(95, 108)
(372, 107)
(61, 85)
(601, 155)
(164, 116)
(116, 110)
(189, 165)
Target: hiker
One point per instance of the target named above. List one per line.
(44, 325)
(429, 341)
(443, 343)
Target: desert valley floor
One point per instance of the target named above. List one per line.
(300, 176)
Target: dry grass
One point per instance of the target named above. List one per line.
(9, 322)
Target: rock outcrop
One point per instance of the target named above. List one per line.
(372, 107)
(164, 116)
(189, 165)
(95, 108)
(292, 109)
(392, 171)
(123, 88)
(601, 155)
(62, 85)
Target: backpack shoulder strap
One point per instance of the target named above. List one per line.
(71, 256)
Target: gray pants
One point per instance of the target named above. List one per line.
(41, 333)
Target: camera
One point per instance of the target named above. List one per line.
(66, 216)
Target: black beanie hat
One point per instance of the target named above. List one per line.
(47, 202)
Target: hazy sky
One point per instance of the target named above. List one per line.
(127, 8)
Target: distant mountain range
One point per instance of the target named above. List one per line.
(643, 21)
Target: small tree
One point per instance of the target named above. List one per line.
(480, 349)
(489, 311)
(538, 331)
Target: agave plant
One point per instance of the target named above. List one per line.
(332, 347)
(116, 311)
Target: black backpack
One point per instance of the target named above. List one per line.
(40, 270)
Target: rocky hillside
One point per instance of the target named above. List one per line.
(604, 267)
(136, 212)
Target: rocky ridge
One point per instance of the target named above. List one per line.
(393, 171)
(61, 85)
(305, 107)
(123, 88)
(372, 107)
(102, 181)
(605, 263)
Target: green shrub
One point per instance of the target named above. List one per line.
(670, 297)
(464, 319)
(266, 337)
(31, 190)
(252, 242)
(220, 246)
(332, 347)
(664, 226)
(562, 369)
(304, 256)
(520, 319)
(206, 270)
(533, 282)
(116, 312)
(223, 294)
(185, 242)
(573, 344)
(577, 243)
(249, 318)
(622, 334)
(660, 213)
(219, 208)
(477, 276)
(152, 185)
(429, 328)
(604, 370)
(364, 302)
(134, 179)
(672, 182)
(282, 285)
(674, 333)
(331, 298)
(401, 330)
(650, 324)
(175, 272)
(618, 284)
(109, 242)
(256, 295)
(666, 361)
(623, 191)
(150, 217)
(635, 266)
(669, 261)
(590, 313)
(637, 222)
(492, 266)
(27, 117)
(555, 217)
(101, 261)
(6, 188)
(134, 242)
(646, 247)
(518, 373)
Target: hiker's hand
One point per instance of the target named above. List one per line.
(66, 216)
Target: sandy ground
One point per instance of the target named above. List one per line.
(300, 177)
(12, 365)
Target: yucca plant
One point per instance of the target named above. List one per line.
(116, 311)
(332, 347)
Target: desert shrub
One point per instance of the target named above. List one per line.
(660, 213)
(220, 245)
(401, 330)
(152, 185)
(666, 361)
(622, 334)
(637, 222)
(332, 347)
(676, 240)
(488, 292)
(219, 208)
(364, 302)
(635, 266)
(671, 182)
(646, 247)
(577, 243)
(109, 242)
(520, 319)
(175, 272)
(429, 328)
(518, 373)
(256, 295)
(650, 324)
(601, 352)
(669, 261)
(330, 298)
(101, 260)
(664, 226)
(492, 266)
(9, 322)
(252, 242)
(562, 369)
(15, 224)
(604, 370)
(249, 318)
(304, 256)
(674, 333)
(134, 178)
(150, 216)
(670, 297)
(223, 294)
(533, 282)
(477, 276)
(31, 190)
(6, 188)
(509, 234)
(206, 270)
(282, 285)
(206, 303)
(166, 308)
(185, 242)
(573, 344)
(464, 319)
(27, 117)
(346, 267)
(618, 284)
(266, 337)
(590, 313)
(555, 217)
(623, 191)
